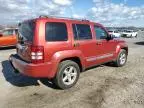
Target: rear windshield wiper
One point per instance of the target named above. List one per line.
(21, 39)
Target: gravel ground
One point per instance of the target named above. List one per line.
(101, 87)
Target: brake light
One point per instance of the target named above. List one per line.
(37, 54)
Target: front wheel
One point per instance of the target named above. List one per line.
(67, 74)
(121, 59)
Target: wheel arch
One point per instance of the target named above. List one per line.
(74, 55)
(125, 48)
(75, 59)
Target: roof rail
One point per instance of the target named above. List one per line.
(45, 16)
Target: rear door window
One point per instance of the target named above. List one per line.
(82, 31)
(56, 31)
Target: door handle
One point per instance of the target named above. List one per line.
(99, 43)
(76, 44)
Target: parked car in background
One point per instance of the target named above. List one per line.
(129, 33)
(61, 48)
(115, 33)
(8, 37)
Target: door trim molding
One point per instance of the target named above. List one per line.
(94, 58)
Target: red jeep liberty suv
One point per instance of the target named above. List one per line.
(60, 48)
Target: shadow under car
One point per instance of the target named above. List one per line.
(140, 43)
(21, 80)
(7, 48)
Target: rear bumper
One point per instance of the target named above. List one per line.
(33, 70)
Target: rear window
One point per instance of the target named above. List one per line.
(56, 31)
(26, 30)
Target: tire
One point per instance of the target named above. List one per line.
(121, 58)
(67, 74)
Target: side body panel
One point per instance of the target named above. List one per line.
(89, 52)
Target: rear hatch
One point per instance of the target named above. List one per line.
(25, 39)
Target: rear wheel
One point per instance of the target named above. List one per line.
(67, 74)
(121, 59)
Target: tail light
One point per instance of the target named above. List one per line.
(37, 54)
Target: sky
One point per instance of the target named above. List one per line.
(107, 12)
